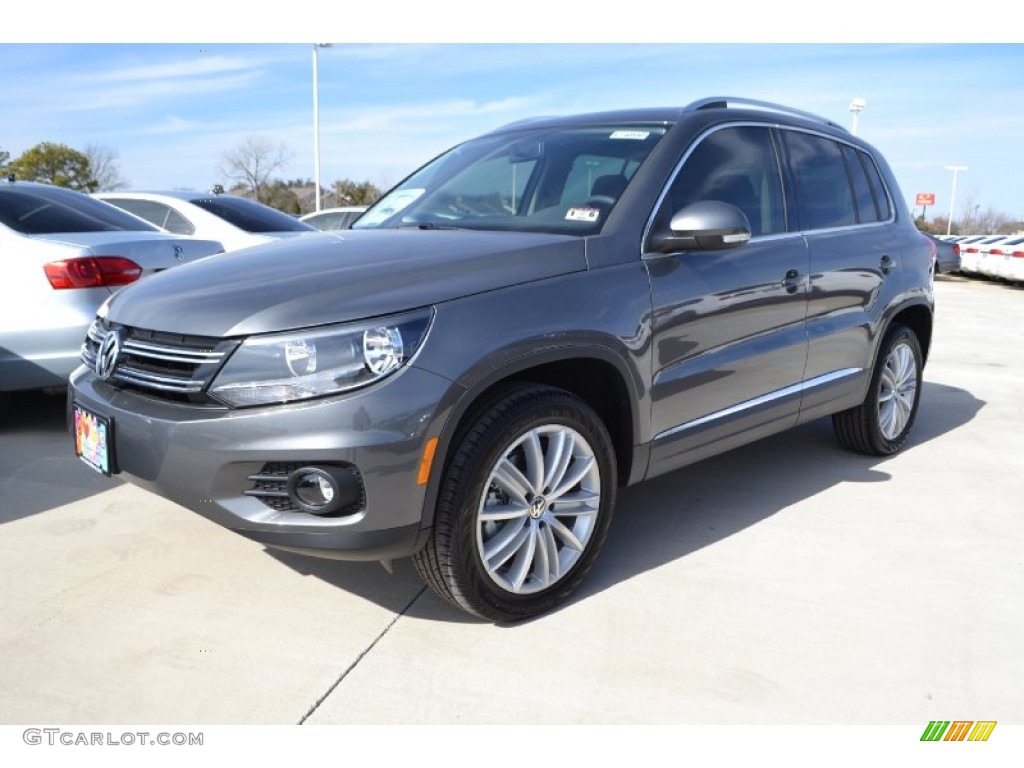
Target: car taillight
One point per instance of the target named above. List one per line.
(972, 250)
(956, 249)
(1018, 254)
(995, 252)
(92, 272)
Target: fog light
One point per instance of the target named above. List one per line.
(324, 489)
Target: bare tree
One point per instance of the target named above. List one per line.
(104, 167)
(252, 162)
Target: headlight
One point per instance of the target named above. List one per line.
(320, 361)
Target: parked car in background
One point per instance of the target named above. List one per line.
(947, 254)
(334, 218)
(63, 254)
(996, 258)
(532, 320)
(235, 221)
(971, 250)
(1012, 266)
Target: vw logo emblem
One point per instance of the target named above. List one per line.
(179, 253)
(106, 355)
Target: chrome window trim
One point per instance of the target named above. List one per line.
(779, 151)
(799, 388)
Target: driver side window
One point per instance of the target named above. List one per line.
(738, 166)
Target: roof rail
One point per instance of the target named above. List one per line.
(722, 102)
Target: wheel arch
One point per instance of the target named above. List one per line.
(917, 317)
(594, 374)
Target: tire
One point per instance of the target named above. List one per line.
(523, 507)
(879, 426)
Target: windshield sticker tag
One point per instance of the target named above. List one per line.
(633, 135)
(582, 214)
(392, 204)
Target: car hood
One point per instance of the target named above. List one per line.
(333, 277)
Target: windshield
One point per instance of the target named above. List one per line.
(43, 211)
(251, 216)
(563, 180)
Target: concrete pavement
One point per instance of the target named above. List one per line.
(786, 582)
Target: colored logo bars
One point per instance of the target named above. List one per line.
(959, 730)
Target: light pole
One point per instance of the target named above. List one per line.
(316, 120)
(856, 107)
(952, 195)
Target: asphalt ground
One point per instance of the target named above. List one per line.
(787, 582)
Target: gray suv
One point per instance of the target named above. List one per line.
(530, 321)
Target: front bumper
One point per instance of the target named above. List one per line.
(202, 458)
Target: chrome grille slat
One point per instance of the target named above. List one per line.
(163, 365)
(164, 383)
(174, 355)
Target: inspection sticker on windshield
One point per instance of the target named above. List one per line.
(582, 214)
(634, 135)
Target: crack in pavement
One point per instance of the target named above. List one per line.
(370, 647)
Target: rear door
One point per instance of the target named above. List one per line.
(846, 217)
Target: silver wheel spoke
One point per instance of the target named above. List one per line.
(524, 558)
(511, 480)
(581, 466)
(567, 536)
(576, 503)
(547, 549)
(504, 512)
(505, 543)
(559, 454)
(534, 462)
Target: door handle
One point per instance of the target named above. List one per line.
(792, 281)
(886, 265)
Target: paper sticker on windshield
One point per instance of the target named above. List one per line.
(634, 135)
(582, 214)
(390, 205)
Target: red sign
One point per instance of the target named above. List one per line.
(925, 198)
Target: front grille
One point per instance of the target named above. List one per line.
(166, 365)
(270, 484)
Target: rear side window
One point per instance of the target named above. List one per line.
(823, 192)
(155, 213)
(251, 216)
(42, 211)
(738, 166)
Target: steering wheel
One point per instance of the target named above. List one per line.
(597, 201)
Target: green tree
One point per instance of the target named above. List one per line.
(280, 195)
(4, 161)
(56, 164)
(356, 193)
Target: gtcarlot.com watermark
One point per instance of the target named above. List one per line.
(59, 736)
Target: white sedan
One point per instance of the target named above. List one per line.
(64, 253)
(237, 222)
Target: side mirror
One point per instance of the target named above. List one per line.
(709, 225)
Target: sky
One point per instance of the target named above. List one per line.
(170, 110)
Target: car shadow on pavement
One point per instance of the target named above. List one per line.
(667, 518)
(38, 467)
